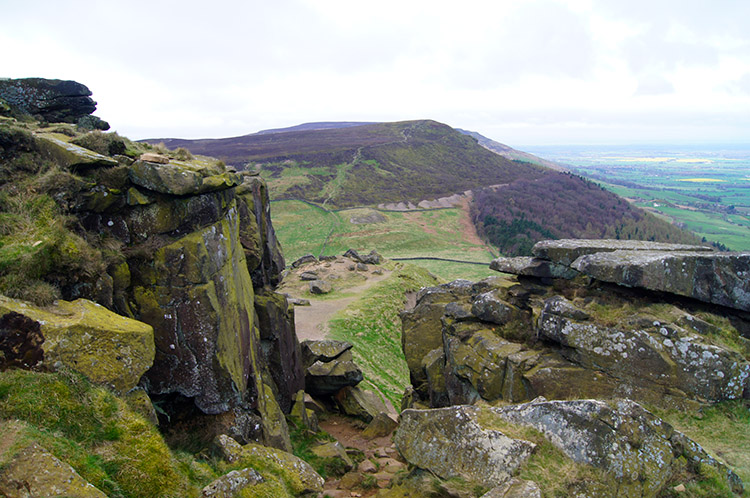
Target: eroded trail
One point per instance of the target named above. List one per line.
(312, 321)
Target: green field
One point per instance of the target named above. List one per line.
(704, 189)
(303, 229)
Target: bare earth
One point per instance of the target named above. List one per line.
(311, 321)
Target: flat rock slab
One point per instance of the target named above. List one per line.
(717, 278)
(565, 251)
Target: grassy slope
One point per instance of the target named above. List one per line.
(303, 229)
(373, 326)
(368, 164)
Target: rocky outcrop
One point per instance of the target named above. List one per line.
(84, 336)
(638, 451)
(190, 246)
(718, 278)
(561, 337)
(296, 472)
(460, 442)
(329, 367)
(49, 100)
(566, 251)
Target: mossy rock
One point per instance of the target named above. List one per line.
(296, 474)
(180, 178)
(70, 155)
(34, 471)
(108, 348)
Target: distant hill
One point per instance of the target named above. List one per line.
(510, 152)
(351, 164)
(348, 164)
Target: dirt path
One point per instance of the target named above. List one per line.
(311, 321)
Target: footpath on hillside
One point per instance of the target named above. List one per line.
(348, 282)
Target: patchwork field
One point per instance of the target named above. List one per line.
(704, 189)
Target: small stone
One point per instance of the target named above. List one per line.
(367, 467)
(680, 488)
(308, 276)
(320, 287)
(154, 158)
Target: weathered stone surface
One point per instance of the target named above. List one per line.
(634, 447)
(718, 278)
(35, 472)
(232, 483)
(565, 251)
(488, 307)
(275, 428)
(308, 276)
(532, 267)
(324, 350)
(380, 426)
(233, 452)
(197, 294)
(320, 287)
(654, 359)
(433, 365)
(265, 259)
(359, 403)
(515, 488)
(333, 450)
(86, 337)
(460, 442)
(421, 329)
(307, 258)
(70, 155)
(180, 178)
(328, 378)
(153, 157)
(52, 100)
(280, 348)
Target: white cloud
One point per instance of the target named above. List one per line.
(534, 70)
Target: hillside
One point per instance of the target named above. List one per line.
(366, 164)
(341, 165)
(512, 218)
(510, 152)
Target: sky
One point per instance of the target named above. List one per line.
(536, 72)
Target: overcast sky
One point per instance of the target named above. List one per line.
(520, 72)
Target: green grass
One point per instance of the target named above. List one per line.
(724, 432)
(304, 229)
(373, 326)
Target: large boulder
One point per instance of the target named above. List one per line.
(51, 100)
(654, 357)
(295, 471)
(180, 178)
(533, 267)
(460, 441)
(638, 451)
(108, 348)
(718, 278)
